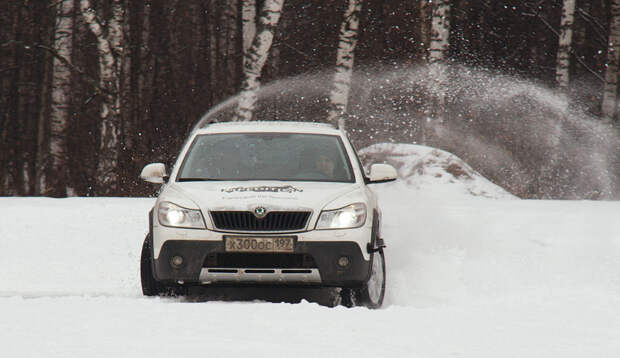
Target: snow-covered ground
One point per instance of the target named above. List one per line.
(472, 272)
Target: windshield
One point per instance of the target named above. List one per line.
(266, 156)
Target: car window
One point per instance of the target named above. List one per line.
(267, 156)
(359, 161)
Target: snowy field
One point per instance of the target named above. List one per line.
(468, 276)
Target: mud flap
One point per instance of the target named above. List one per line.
(379, 245)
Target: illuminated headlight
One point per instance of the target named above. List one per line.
(173, 215)
(348, 217)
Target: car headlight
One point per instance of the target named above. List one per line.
(349, 217)
(173, 215)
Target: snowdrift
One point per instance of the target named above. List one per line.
(432, 170)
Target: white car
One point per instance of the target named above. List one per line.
(273, 203)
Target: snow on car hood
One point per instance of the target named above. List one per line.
(246, 196)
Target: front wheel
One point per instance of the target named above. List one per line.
(372, 293)
(150, 287)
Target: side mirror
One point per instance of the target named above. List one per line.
(382, 173)
(154, 173)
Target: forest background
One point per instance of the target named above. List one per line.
(525, 92)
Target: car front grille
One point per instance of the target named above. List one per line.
(259, 260)
(247, 221)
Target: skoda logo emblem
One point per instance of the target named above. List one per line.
(260, 212)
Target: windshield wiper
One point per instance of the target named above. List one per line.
(199, 179)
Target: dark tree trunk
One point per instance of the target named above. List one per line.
(146, 70)
(228, 50)
(10, 126)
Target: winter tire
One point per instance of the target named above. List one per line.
(372, 293)
(150, 287)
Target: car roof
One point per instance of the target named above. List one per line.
(269, 126)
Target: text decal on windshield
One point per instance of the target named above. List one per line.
(264, 188)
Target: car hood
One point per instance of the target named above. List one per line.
(246, 196)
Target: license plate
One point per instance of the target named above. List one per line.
(259, 244)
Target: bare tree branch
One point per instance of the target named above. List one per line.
(83, 75)
(294, 49)
(573, 52)
(8, 69)
(599, 29)
(54, 4)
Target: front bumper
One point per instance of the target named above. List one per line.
(311, 263)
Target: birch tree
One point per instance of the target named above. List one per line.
(440, 31)
(425, 15)
(608, 106)
(440, 34)
(437, 52)
(339, 95)
(256, 57)
(562, 71)
(110, 65)
(61, 101)
(248, 21)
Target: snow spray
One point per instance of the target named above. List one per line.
(532, 140)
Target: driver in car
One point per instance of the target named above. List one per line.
(325, 165)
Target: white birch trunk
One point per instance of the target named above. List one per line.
(610, 91)
(440, 31)
(339, 95)
(248, 20)
(437, 53)
(562, 70)
(109, 68)
(115, 27)
(440, 35)
(254, 61)
(61, 101)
